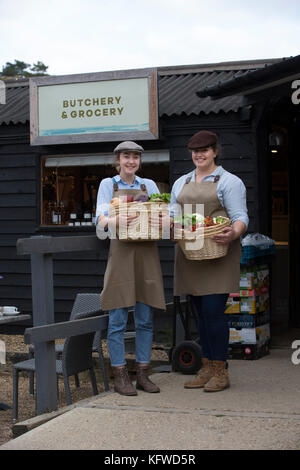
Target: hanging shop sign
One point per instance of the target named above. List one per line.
(107, 106)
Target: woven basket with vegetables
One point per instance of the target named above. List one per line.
(141, 229)
(194, 233)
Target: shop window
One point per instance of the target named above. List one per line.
(70, 185)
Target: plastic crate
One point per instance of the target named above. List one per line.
(250, 253)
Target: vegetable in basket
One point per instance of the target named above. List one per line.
(164, 197)
(141, 198)
(188, 221)
(193, 221)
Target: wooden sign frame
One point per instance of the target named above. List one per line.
(149, 134)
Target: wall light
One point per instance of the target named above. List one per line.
(275, 139)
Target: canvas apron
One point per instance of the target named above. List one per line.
(133, 272)
(216, 276)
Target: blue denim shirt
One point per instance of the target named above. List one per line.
(231, 192)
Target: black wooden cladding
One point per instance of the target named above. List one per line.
(83, 272)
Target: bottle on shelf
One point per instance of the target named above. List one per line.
(73, 218)
(87, 218)
(77, 222)
(54, 214)
(94, 213)
(62, 213)
(47, 213)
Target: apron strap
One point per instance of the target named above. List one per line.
(116, 187)
(188, 180)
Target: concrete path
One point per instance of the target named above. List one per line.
(261, 410)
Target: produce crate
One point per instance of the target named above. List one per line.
(256, 301)
(239, 321)
(249, 302)
(233, 304)
(257, 275)
(258, 335)
(248, 310)
(248, 351)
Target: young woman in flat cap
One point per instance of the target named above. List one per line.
(133, 275)
(209, 282)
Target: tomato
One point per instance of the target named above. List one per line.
(208, 221)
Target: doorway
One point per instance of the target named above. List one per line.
(283, 127)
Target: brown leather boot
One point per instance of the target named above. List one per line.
(202, 376)
(142, 380)
(220, 379)
(123, 384)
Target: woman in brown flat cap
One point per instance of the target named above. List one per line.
(209, 282)
(133, 276)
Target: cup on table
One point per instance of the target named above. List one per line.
(10, 309)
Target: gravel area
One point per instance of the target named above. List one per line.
(14, 346)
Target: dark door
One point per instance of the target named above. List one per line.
(294, 242)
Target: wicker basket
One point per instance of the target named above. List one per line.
(141, 230)
(199, 245)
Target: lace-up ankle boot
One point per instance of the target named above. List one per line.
(123, 384)
(220, 379)
(202, 376)
(142, 380)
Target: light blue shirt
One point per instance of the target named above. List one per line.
(106, 190)
(231, 192)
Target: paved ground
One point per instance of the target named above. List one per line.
(261, 410)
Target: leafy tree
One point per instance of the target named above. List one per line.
(39, 68)
(21, 69)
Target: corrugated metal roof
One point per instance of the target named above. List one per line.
(177, 90)
(177, 94)
(252, 78)
(16, 108)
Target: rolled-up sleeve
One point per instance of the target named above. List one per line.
(234, 200)
(104, 197)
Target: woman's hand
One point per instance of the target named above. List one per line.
(125, 220)
(225, 237)
(229, 234)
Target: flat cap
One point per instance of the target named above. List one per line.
(128, 146)
(202, 139)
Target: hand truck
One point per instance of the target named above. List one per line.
(185, 354)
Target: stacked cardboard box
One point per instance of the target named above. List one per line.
(248, 312)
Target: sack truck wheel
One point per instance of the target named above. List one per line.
(187, 357)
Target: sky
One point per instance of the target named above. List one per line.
(83, 36)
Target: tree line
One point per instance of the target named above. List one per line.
(20, 69)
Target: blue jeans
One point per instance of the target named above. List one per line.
(212, 325)
(144, 334)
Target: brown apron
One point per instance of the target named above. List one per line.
(133, 272)
(216, 276)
